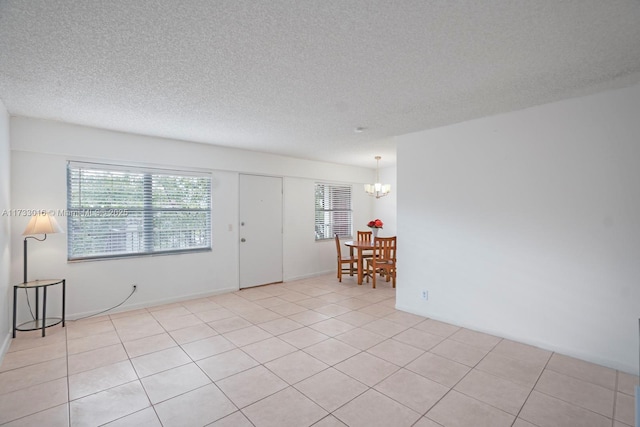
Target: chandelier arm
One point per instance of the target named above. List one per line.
(377, 190)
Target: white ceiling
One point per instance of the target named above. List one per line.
(296, 77)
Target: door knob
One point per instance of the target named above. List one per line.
(243, 240)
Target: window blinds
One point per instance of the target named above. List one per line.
(333, 211)
(119, 211)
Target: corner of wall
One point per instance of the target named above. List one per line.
(4, 346)
(5, 234)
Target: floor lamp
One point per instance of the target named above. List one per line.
(39, 224)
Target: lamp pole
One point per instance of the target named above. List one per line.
(24, 246)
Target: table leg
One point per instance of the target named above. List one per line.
(44, 310)
(64, 299)
(360, 260)
(351, 256)
(15, 300)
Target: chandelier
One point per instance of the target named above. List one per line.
(377, 190)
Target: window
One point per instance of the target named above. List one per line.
(333, 211)
(115, 211)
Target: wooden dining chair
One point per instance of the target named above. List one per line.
(365, 236)
(383, 261)
(351, 262)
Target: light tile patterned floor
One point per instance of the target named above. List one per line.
(311, 352)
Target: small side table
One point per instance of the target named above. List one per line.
(44, 321)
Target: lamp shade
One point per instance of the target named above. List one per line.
(42, 224)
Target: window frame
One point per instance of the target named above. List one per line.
(330, 211)
(146, 231)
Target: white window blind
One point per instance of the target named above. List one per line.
(333, 211)
(115, 211)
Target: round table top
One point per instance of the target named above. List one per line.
(365, 244)
(39, 283)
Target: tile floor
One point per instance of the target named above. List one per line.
(310, 352)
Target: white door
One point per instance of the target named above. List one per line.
(260, 230)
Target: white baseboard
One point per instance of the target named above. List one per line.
(308, 276)
(152, 303)
(524, 340)
(637, 406)
(4, 347)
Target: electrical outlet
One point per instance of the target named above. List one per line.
(424, 294)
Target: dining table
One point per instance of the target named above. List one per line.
(360, 246)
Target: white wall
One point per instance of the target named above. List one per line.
(40, 150)
(527, 225)
(385, 207)
(5, 286)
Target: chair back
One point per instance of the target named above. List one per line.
(384, 249)
(364, 236)
(338, 246)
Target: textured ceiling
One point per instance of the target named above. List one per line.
(296, 77)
